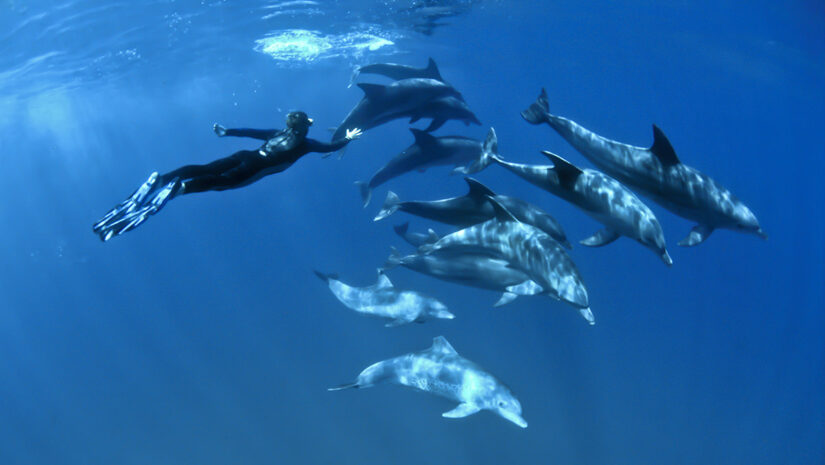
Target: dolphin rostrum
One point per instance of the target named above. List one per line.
(525, 248)
(600, 196)
(474, 208)
(384, 300)
(427, 151)
(657, 173)
(440, 370)
(381, 103)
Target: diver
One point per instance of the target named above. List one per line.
(280, 150)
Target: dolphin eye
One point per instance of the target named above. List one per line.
(501, 403)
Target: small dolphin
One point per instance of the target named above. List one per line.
(525, 248)
(442, 110)
(415, 239)
(658, 174)
(475, 270)
(600, 196)
(427, 151)
(385, 103)
(384, 300)
(398, 72)
(474, 208)
(441, 371)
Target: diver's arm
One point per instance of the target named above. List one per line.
(261, 134)
(322, 147)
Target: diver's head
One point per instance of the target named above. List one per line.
(299, 121)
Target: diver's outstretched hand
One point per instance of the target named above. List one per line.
(353, 134)
(219, 130)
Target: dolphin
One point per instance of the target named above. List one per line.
(384, 300)
(440, 370)
(442, 110)
(600, 196)
(427, 151)
(475, 270)
(525, 248)
(415, 239)
(381, 103)
(658, 174)
(474, 208)
(398, 72)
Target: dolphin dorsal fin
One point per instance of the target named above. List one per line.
(478, 190)
(432, 236)
(568, 172)
(662, 149)
(502, 214)
(440, 344)
(373, 91)
(422, 138)
(432, 70)
(383, 280)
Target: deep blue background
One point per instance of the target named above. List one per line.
(203, 337)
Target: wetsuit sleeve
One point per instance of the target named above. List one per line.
(262, 134)
(322, 147)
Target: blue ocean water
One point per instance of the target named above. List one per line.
(203, 337)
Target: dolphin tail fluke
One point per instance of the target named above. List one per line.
(537, 112)
(366, 192)
(391, 205)
(489, 153)
(344, 386)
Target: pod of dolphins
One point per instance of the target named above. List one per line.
(503, 243)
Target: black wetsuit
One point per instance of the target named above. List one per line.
(281, 150)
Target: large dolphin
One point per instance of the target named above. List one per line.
(384, 103)
(386, 301)
(600, 196)
(475, 270)
(474, 208)
(427, 151)
(525, 248)
(440, 370)
(398, 72)
(657, 173)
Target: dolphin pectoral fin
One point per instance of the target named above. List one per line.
(528, 287)
(602, 237)
(505, 299)
(697, 235)
(398, 322)
(461, 411)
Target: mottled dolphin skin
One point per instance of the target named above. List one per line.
(427, 151)
(440, 370)
(399, 72)
(386, 301)
(525, 248)
(474, 208)
(385, 103)
(600, 196)
(475, 270)
(657, 173)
